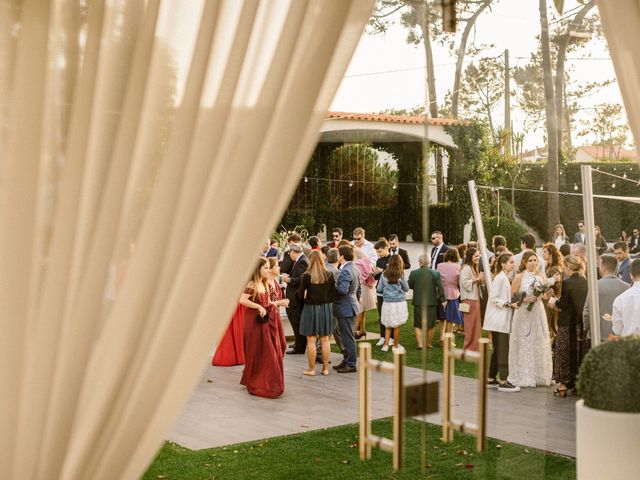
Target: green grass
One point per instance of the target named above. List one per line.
(333, 454)
(413, 357)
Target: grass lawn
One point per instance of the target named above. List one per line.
(416, 358)
(333, 454)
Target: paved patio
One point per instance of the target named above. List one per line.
(221, 412)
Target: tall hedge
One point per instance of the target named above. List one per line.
(510, 230)
(611, 215)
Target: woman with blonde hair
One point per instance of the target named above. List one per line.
(570, 305)
(317, 290)
(559, 236)
(264, 341)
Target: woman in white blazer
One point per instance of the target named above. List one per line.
(497, 319)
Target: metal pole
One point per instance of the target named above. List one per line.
(365, 401)
(590, 240)
(483, 366)
(482, 243)
(447, 377)
(507, 105)
(398, 408)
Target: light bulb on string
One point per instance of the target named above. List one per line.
(350, 184)
(614, 169)
(624, 175)
(575, 187)
(451, 187)
(541, 187)
(613, 185)
(306, 179)
(394, 186)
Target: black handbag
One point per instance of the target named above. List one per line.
(518, 297)
(263, 319)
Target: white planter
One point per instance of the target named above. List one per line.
(607, 444)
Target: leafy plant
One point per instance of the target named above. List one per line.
(609, 376)
(506, 227)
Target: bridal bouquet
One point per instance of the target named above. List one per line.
(538, 289)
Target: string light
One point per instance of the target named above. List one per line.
(624, 175)
(541, 187)
(613, 185)
(350, 184)
(394, 186)
(575, 187)
(306, 179)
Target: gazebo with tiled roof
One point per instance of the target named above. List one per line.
(348, 127)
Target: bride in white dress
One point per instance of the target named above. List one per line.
(530, 363)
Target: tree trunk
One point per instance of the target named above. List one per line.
(422, 12)
(560, 80)
(553, 210)
(462, 49)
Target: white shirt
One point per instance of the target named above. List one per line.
(369, 251)
(626, 320)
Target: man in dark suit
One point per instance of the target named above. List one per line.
(286, 264)
(336, 236)
(438, 249)
(300, 264)
(621, 251)
(346, 307)
(579, 236)
(394, 249)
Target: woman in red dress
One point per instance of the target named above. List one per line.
(264, 341)
(230, 350)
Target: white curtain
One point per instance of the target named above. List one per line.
(146, 151)
(621, 25)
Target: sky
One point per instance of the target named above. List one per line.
(386, 72)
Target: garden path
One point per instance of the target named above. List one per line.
(220, 412)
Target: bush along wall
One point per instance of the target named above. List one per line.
(506, 227)
(611, 216)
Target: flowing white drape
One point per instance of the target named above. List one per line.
(621, 25)
(146, 150)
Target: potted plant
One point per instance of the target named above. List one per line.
(608, 416)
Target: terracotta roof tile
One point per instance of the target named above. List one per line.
(377, 117)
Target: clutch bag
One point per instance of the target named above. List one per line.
(518, 297)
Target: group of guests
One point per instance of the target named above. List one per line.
(544, 305)
(535, 301)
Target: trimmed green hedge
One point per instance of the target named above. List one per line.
(377, 222)
(609, 376)
(506, 227)
(611, 215)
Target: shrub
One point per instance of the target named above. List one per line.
(506, 227)
(609, 376)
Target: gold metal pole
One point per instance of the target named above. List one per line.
(365, 400)
(398, 408)
(483, 367)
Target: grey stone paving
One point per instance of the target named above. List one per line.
(221, 412)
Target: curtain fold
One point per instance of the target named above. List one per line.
(183, 135)
(621, 25)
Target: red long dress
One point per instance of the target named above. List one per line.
(230, 350)
(264, 347)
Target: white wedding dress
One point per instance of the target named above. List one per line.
(530, 361)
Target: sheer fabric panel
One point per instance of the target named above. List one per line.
(147, 149)
(621, 25)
